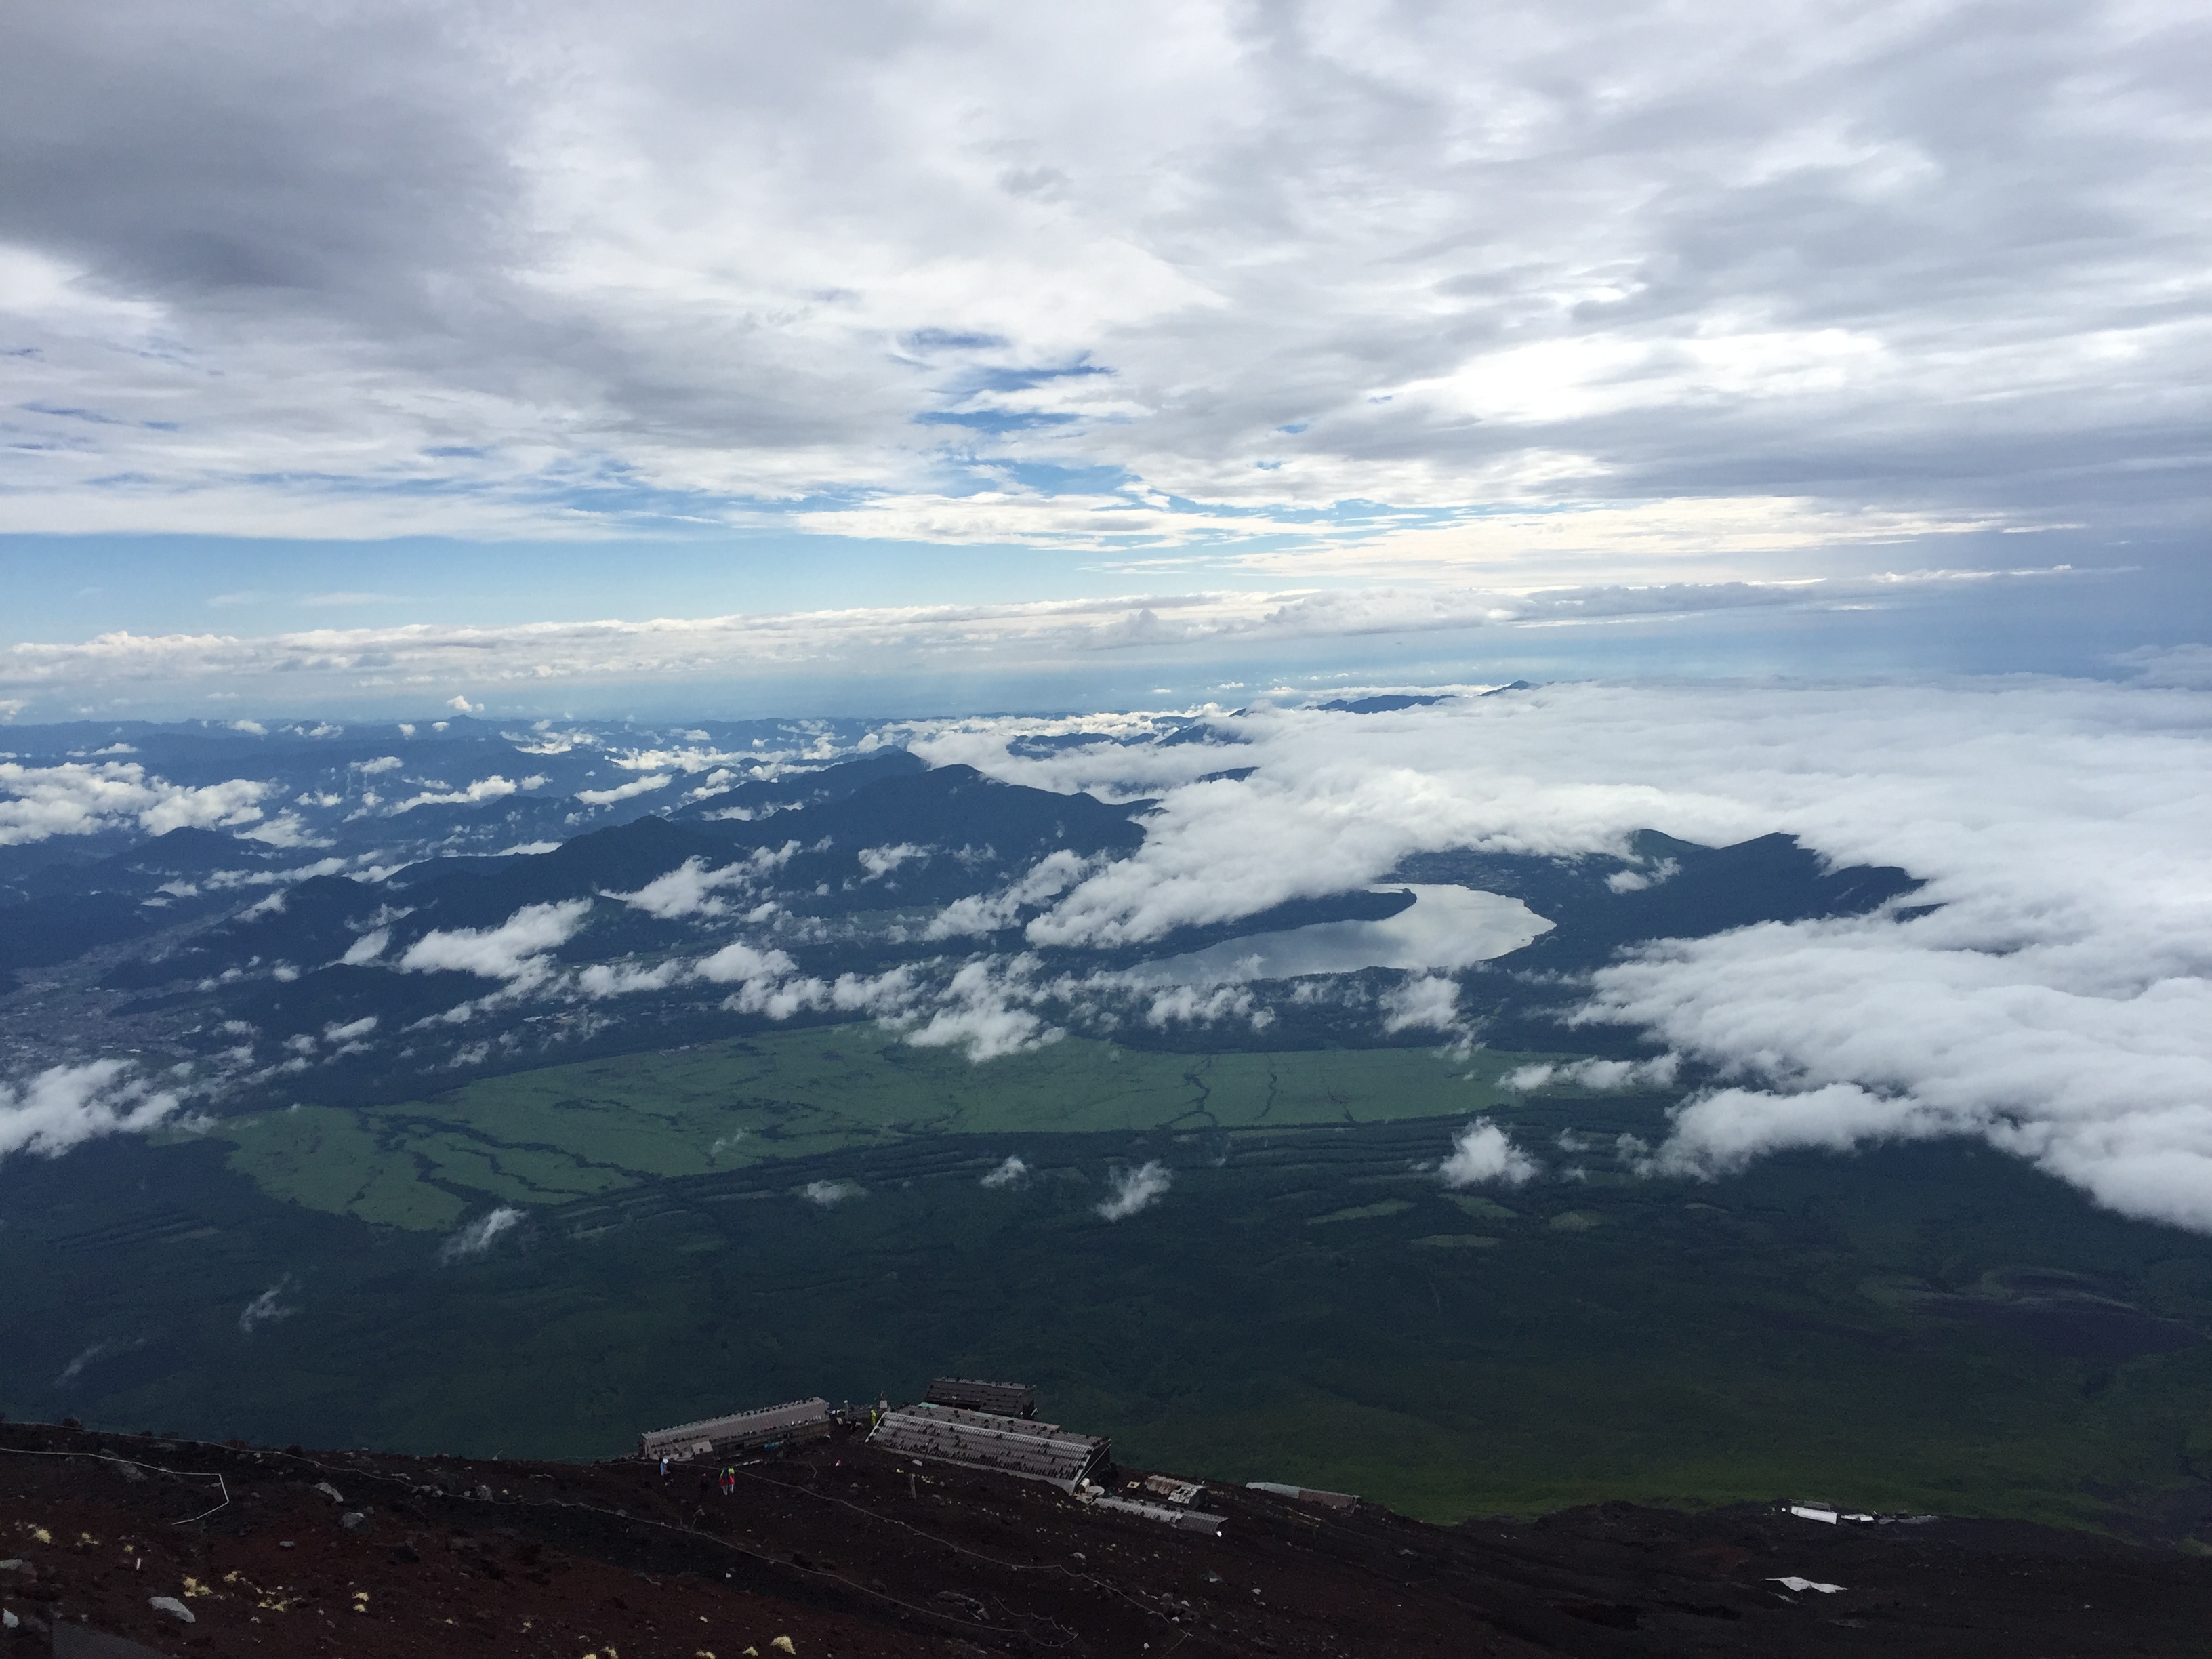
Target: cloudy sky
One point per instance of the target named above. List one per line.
(920, 352)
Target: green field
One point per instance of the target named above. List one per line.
(568, 1132)
(1932, 1326)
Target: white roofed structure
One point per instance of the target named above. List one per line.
(711, 1436)
(981, 1440)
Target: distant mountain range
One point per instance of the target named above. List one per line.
(311, 913)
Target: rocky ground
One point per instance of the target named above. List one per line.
(835, 1551)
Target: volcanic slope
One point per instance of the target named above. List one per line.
(841, 1550)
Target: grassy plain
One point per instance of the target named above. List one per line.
(1927, 1328)
(568, 1132)
(1931, 1328)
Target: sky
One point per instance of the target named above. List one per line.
(850, 358)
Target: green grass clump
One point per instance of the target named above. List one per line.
(1365, 1211)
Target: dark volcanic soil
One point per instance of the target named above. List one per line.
(843, 1551)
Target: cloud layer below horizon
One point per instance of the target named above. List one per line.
(539, 667)
(2049, 990)
(2056, 1002)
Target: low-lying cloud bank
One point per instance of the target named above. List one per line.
(78, 798)
(67, 1105)
(1483, 1153)
(2056, 1002)
(520, 665)
(479, 1235)
(2048, 991)
(1135, 1190)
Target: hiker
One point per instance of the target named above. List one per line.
(663, 1468)
(729, 1482)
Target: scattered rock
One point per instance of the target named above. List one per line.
(330, 1492)
(783, 1645)
(353, 1521)
(169, 1604)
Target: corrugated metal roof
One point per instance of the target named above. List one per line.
(972, 1393)
(1013, 1445)
(713, 1434)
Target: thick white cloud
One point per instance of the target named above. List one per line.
(624, 790)
(319, 273)
(1137, 1189)
(1424, 1002)
(987, 912)
(618, 979)
(2058, 1003)
(512, 951)
(480, 1235)
(64, 1105)
(745, 963)
(1657, 1074)
(1483, 1153)
(976, 1010)
(690, 889)
(80, 799)
(366, 948)
(484, 789)
(881, 862)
